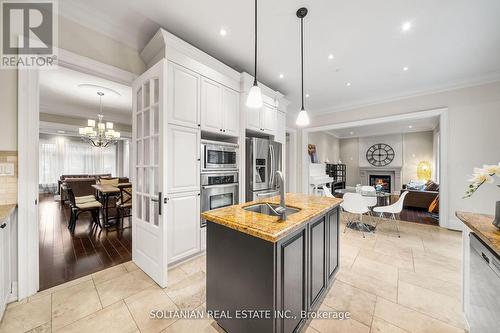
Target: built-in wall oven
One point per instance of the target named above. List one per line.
(217, 156)
(218, 189)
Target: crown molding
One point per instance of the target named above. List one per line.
(460, 84)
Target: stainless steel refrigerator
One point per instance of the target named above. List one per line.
(263, 159)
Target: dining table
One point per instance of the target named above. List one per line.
(104, 192)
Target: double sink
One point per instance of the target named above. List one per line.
(270, 209)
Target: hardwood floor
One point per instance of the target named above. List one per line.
(65, 257)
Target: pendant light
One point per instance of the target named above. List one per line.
(254, 99)
(303, 117)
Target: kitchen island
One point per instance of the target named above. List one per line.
(265, 274)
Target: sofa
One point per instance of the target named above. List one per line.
(421, 199)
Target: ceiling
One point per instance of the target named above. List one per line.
(452, 43)
(74, 94)
(391, 127)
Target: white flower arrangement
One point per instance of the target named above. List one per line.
(481, 176)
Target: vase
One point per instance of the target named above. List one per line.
(496, 221)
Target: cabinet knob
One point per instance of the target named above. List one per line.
(198, 159)
(3, 225)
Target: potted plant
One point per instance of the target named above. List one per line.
(485, 175)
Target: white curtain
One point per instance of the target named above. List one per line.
(66, 155)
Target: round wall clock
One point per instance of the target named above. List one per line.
(380, 154)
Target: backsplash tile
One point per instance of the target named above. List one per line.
(8, 184)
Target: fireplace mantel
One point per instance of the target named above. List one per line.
(394, 172)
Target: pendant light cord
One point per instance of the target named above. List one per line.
(302, 57)
(255, 59)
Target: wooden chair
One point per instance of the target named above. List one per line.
(79, 205)
(124, 203)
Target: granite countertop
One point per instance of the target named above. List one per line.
(267, 227)
(6, 211)
(482, 226)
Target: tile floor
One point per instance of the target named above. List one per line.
(388, 284)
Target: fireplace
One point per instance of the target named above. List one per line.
(383, 180)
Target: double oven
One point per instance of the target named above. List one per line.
(219, 175)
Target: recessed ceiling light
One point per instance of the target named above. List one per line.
(351, 132)
(405, 68)
(307, 95)
(282, 76)
(348, 84)
(330, 56)
(406, 26)
(222, 32)
(410, 126)
(61, 132)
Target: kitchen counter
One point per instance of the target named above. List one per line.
(6, 211)
(267, 227)
(481, 225)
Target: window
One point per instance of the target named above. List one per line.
(67, 155)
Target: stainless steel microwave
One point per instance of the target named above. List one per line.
(218, 156)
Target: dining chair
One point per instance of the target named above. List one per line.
(393, 210)
(124, 203)
(354, 203)
(370, 199)
(79, 205)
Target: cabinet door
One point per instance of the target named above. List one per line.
(211, 106)
(231, 107)
(183, 225)
(253, 119)
(333, 242)
(292, 280)
(5, 278)
(268, 119)
(183, 98)
(183, 154)
(317, 260)
(280, 128)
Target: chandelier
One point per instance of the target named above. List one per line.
(99, 134)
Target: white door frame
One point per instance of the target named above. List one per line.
(442, 113)
(28, 131)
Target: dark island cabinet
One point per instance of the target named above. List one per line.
(287, 278)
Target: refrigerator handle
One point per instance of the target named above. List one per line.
(271, 173)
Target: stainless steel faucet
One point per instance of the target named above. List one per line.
(281, 210)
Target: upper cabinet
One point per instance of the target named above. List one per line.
(219, 108)
(262, 120)
(183, 98)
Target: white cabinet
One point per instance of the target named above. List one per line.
(5, 261)
(262, 120)
(183, 159)
(231, 111)
(183, 97)
(183, 225)
(280, 128)
(219, 108)
(203, 239)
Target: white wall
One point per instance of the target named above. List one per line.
(77, 39)
(473, 136)
(417, 147)
(327, 146)
(349, 155)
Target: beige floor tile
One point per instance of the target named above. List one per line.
(433, 265)
(411, 320)
(193, 325)
(176, 275)
(338, 326)
(114, 318)
(45, 328)
(124, 286)
(376, 269)
(141, 305)
(73, 303)
(348, 254)
(403, 260)
(448, 288)
(194, 265)
(60, 287)
(189, 293)
(108, 274)
(27, 316)
(362, 280)
(130, 266)
(382, 326)
(436, 305)
(345, 297)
